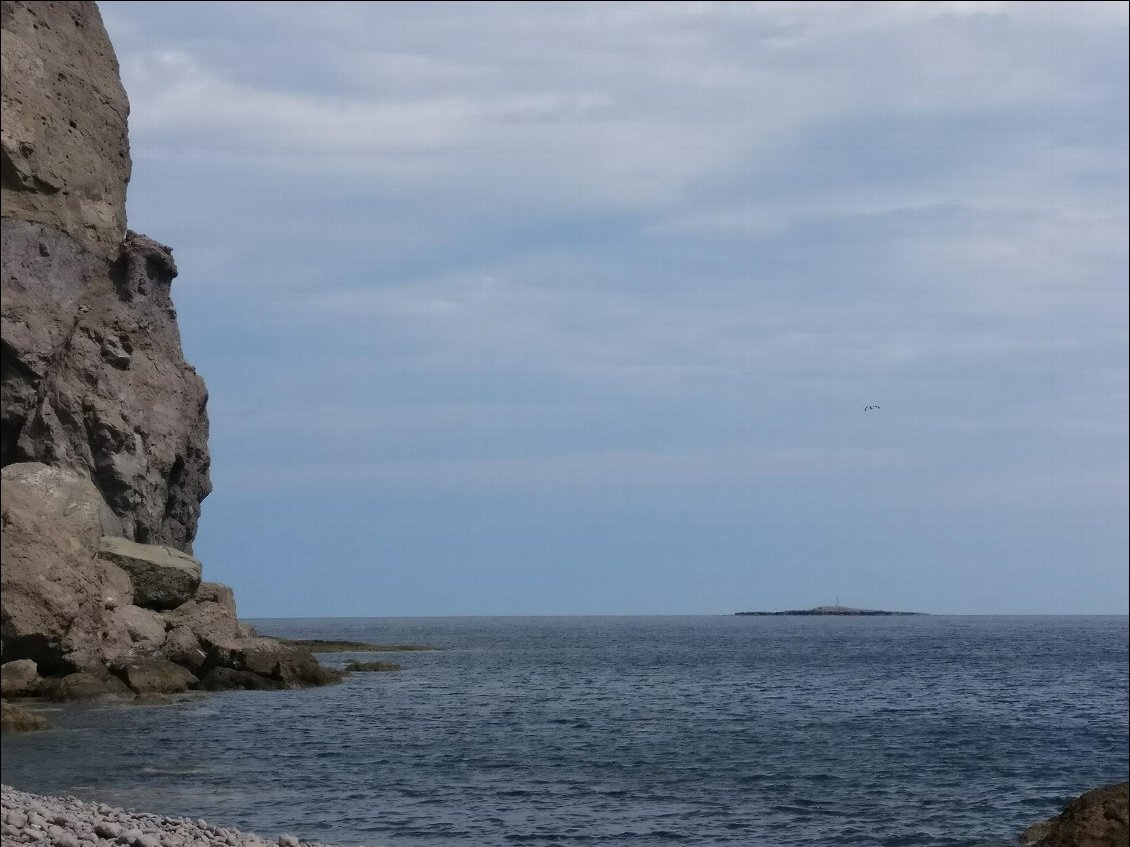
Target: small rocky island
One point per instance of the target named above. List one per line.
(844, 611)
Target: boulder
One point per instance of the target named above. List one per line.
(52, 589)
(290, 666)
(228, 679)
(146, 628)
(19, 678)
(162, 577)
(154, 675)
(183, 648)
(1095, 819)
(93, 685)
(210, 615)
(15, 718)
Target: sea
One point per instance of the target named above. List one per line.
(631, 731)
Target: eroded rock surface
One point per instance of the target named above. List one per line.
(54, 593)
(94, 379)
(162, 577)
(19, 678)
(1095, 819)
(103, 425)
(64, 156)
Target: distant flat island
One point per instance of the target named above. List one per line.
(834, 610)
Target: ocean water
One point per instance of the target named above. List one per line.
(632, 731)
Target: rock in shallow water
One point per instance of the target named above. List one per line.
(1095, 819)
(15, 718)
(154, 675)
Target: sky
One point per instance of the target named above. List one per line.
(538, 309)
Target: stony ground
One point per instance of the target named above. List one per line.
(67, 822)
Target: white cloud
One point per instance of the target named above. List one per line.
(647, 247)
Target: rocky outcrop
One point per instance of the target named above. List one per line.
(1095, 819)
(93, 377)
(55, 595)
(64, 157)
(103, 425)
(70, 611)
(94, 380)
(162, 577)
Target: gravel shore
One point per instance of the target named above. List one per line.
(67, 822)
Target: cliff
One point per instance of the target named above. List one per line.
(104, 426)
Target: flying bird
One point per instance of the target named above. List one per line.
(870, 408)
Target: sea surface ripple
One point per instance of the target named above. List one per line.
(632, 731)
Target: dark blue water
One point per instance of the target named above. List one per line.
(633, 731)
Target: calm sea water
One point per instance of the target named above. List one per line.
(632, 731)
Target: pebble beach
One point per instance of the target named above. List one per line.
(68, 822)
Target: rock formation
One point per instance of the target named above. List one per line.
(103, 431)
(1095, 819)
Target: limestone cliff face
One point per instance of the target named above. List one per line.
(103, 427)
(65, 156)
(93, 377)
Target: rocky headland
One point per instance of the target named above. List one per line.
(104, 425)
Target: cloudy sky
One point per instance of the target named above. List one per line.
(575, 309)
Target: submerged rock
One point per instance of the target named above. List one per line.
(364, 667)
(15, 718)
(1095, 819)
(319, 645)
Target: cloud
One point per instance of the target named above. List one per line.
(591, 105)
(555, 250)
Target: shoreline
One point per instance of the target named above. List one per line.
(29, 818)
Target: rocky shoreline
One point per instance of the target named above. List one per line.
(68, 822)
(1095, 819)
